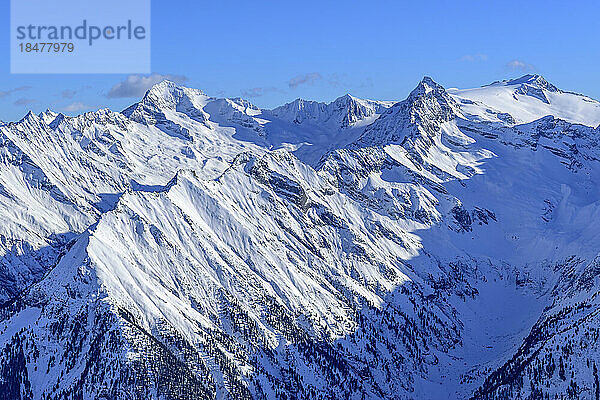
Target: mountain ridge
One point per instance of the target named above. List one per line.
(425, 248)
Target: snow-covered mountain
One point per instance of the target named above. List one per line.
(527, 99)
(438, 247)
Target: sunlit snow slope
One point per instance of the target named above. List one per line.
(527, 99)
(189, 247)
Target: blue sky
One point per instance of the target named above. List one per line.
(272, 52)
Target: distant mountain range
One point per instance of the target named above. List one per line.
(440, 247)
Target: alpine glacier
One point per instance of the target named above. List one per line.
(189, 247)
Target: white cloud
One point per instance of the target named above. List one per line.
(25, 102)
(137, 85)
(76, 106)
(258, 91)
(68, 93)
(474, 57)
(518, 65)
(254, 92)
(309, 78)
(4, 93)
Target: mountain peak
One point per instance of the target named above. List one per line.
(48, 116)
(429, 81)
(57, 120)
(31, 117)
(426, 86)
(342, 113)
(527, 78)
(300, 111)
(48, 111)
(345, 98)
(345, 101)
(166, 93)
(163, 86)
(534, 80)
(416, 119)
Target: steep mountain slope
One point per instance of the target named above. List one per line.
(358, 249)
(527, 99)
(311, 129)
(35, 217)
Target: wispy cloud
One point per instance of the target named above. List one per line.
(137, 85)
(254, 92)
(259, 91)
(76, 106)
(334, 80)
(474, 58)
(5, 93)
(24, 102)
(68, 93)
(518, 65)
(342, 82)
(309, 78)
(366, 83)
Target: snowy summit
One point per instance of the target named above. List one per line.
(439, 246)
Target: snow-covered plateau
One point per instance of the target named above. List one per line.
(445, 246)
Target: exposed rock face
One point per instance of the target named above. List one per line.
(200, 248)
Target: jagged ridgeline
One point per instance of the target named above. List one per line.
(190, 247)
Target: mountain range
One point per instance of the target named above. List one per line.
(443, 246)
